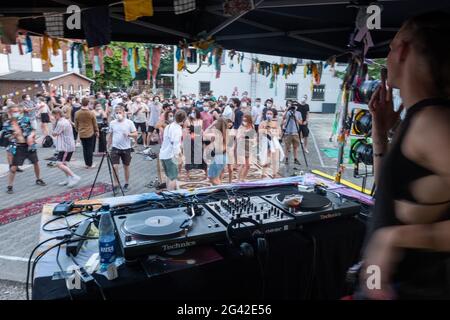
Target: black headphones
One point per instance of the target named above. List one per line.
(245, 248)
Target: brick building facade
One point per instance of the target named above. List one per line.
(21, 82)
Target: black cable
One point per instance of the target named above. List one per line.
(29, 263)
(62, 271)
(42, 254)
(313, 266)
(95, 280)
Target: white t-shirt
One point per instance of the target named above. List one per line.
(228, 113)
(257, 113)
(120, 131)
(141, 115)
(155, 113)
(171, 141)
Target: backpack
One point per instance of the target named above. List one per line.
(47, 142)
(4, 141)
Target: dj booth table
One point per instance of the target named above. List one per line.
(308, 263)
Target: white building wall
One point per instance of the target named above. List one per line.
(57, 62)
(36, 64)
(4, 65)
(18, 62)
(232, 77)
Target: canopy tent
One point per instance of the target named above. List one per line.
(310, 29)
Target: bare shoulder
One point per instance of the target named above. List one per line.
(434, 116)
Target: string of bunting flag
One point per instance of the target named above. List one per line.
(18, 92)
(210, 53)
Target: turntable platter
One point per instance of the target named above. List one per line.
(310, 201)
(156, 224)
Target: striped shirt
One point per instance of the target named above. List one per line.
(64, 136)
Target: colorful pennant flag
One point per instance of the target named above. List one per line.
(135, 9)
(183, 6)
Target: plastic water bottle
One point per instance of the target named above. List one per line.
(107, 239)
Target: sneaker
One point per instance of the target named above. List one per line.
(64, 183)
(147, 151)
(73, 181)
(126, 187)
(116, 189)
(40, 182)
(9, 190)
(148, 158)
(19, 170)
(297, 162)
(306, 150)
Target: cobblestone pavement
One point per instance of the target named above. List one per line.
(17, 239)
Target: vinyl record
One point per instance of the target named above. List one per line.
(156, 224)
(310, 201)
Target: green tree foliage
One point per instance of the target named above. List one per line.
(374, 70)
(117, 77)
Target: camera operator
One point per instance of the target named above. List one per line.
(291, 123)
(303, 108)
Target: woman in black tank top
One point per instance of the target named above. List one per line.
(407, 250)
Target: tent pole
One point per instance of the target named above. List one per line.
(341, 137)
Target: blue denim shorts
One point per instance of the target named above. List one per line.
(217, 166)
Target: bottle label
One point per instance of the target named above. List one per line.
(107, 251)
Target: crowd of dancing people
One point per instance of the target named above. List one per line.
(216, 135)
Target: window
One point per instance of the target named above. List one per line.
(193, 58)
(291, 91)
(80, 89)
(318, 93)
(300, 61)
(61, 89)
(204, 87)
(71, 88)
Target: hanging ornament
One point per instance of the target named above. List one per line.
(55, 46)
(44, 50)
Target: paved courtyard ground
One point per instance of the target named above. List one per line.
(18, 238)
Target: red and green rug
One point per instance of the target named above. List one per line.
(30, 208)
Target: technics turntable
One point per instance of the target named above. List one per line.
(310, 207)
(158, 230)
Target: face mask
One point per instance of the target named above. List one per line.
(193, 115)
(243, 104)
(269, 105)
(269, 117)
(156, 100)
(170, 119)
(303, 100)
(16, 115)
(258, 104)
(206, 109)
(119, 116)
(28, 98)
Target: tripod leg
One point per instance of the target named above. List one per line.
(111, 177)
(96, 176)
(111, 166)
